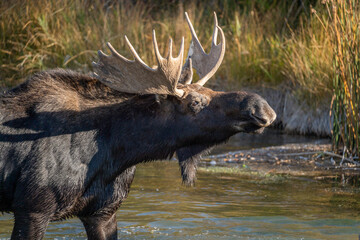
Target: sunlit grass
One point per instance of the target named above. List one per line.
(346, 100)
(261, 48)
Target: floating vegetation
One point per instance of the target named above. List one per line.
(244, 172)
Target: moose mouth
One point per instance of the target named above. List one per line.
(252, 128)
(254, 124)
(248, 127)
(261, 122)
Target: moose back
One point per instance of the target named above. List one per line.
(69, 142)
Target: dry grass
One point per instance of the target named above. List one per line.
(68, 34)
(37, 35)
(262, 49)
(346, 100)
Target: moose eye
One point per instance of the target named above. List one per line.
(195, 103)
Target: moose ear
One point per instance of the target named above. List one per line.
(197, 101)
(186, 73)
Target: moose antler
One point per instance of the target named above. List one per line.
(205, 64)
(135, 76)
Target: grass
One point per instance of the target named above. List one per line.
(273, 44)
(346, 99)
(261, 48)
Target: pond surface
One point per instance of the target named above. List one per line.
(225, 206)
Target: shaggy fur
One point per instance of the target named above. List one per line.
(69, 144)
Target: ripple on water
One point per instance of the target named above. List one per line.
(217, 208)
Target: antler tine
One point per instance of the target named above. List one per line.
(219, 52)
(170, 49)
(114, 52)
(170, 66)
(156, 48)
(214, 37)
(135, 54)
(194, 39)
(134, 76)
(206, 64)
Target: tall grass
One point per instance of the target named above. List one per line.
(273, 44)
(261, 47)
(346, 100)
(276, 44)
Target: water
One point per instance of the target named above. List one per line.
(225, 206)
(270, 137)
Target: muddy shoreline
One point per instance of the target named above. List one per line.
(297, 159)
(295, 115)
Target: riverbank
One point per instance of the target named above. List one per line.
(288, 62)
(295, 115)
(313, 160)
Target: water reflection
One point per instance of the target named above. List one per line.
(270, 137)
(224, 206)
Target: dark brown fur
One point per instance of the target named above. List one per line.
(70, 144)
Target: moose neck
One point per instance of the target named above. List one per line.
(136, 131)
(141, 130)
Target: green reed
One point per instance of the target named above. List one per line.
(346, 99)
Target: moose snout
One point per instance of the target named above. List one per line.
(266, 116)
(261, 112)
(270, 116)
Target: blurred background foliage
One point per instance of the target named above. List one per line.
(272, 44)
(268, 42)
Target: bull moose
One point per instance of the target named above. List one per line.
(69, 142)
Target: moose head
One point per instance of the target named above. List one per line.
(70, 142)
(203, 117)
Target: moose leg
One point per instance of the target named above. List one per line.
(29, 226)
(101, 227)
(104, 226)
